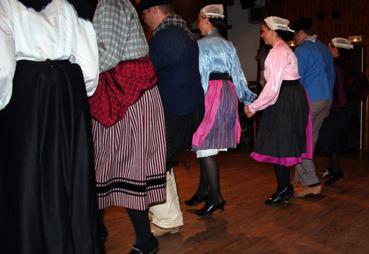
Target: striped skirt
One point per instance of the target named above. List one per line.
(220, 127)
(130, 156)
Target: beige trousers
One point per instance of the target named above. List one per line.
(305, 172)
(168, 214)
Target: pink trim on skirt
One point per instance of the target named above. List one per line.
(291, 161)
(212, 101)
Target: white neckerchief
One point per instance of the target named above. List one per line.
(311, 38)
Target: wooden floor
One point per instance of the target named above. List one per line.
(337, 222)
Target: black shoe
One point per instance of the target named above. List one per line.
(282, 196)
(151, 247)
(209, 208)
(334, 178)
(326, 173)
(137, 250)
(196, 199)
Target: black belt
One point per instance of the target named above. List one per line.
(220, 76)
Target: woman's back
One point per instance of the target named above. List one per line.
(55, 33)
(217, 53)
(51, 33)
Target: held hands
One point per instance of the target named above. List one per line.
(248, 112)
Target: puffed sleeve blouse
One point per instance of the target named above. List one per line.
(280, 64)
(55, 33)
(219, 55)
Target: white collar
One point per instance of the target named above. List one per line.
(311, 38)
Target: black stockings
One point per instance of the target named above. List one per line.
(283, 177)
(209, 179)
(141, 224)
(333, 166)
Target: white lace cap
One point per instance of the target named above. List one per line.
(212, 11)
(340, 42)
(277, 23)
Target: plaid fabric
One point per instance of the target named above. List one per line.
(173, 20)
(119, 88)
(119, 33)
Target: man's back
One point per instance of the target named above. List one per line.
(316, 69)
(174, 54)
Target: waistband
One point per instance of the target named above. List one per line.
(220, 76)
(47, 61)
(291, 82)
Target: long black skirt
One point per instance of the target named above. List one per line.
(48, 198)
(284, 135)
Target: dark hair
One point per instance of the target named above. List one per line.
(167, 8)
(285, 35)
(37, 5)
(167, 5)
(218, 23)
(305, 24)
(344, 53)
(85, 8)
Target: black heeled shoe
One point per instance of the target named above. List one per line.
(153, 247)
(282, 196)
(196, 199)
(210, 208)
(137, 250)
(334, 178)
(326, 173)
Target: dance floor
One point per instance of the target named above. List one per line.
(336, 222)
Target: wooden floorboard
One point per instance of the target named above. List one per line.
(337, 222)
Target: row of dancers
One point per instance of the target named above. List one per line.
(94, 116)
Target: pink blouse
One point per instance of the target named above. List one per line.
(280, 64)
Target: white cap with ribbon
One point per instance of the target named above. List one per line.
(277, 23)
(340, 42)
(212, 11)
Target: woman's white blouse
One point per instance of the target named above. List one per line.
(54, 33)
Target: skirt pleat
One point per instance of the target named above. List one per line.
(46, 162)
(222, 134)
(284, 132)
(130, 156)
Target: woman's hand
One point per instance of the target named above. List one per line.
(248, 112)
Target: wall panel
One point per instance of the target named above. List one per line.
(354, 18)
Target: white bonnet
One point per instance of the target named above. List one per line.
(340, 42)
(212, 11)
(277, 23)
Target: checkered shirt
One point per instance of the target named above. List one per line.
(119, 32)
(173, 20)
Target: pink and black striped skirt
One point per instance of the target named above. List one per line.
(130, 156)
(220, 128)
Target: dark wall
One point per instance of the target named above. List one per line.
(331, 17)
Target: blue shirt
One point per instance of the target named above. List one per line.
(316, 68)
(219, 55)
